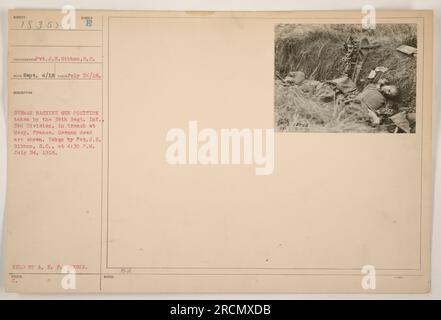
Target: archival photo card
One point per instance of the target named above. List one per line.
(219, 152)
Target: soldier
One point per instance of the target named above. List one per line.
(373, 97)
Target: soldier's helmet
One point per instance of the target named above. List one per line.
(297, 76)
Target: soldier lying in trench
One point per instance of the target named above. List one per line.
(371, 100)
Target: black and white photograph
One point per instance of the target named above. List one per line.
(344, 78)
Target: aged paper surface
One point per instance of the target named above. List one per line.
(120, 177)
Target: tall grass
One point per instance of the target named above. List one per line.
(295, 112)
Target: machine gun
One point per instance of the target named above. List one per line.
(356, 53)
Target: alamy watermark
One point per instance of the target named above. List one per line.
(68, 22)
(369, 280)
(221, 147)
(69, 281)
(368, 21)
